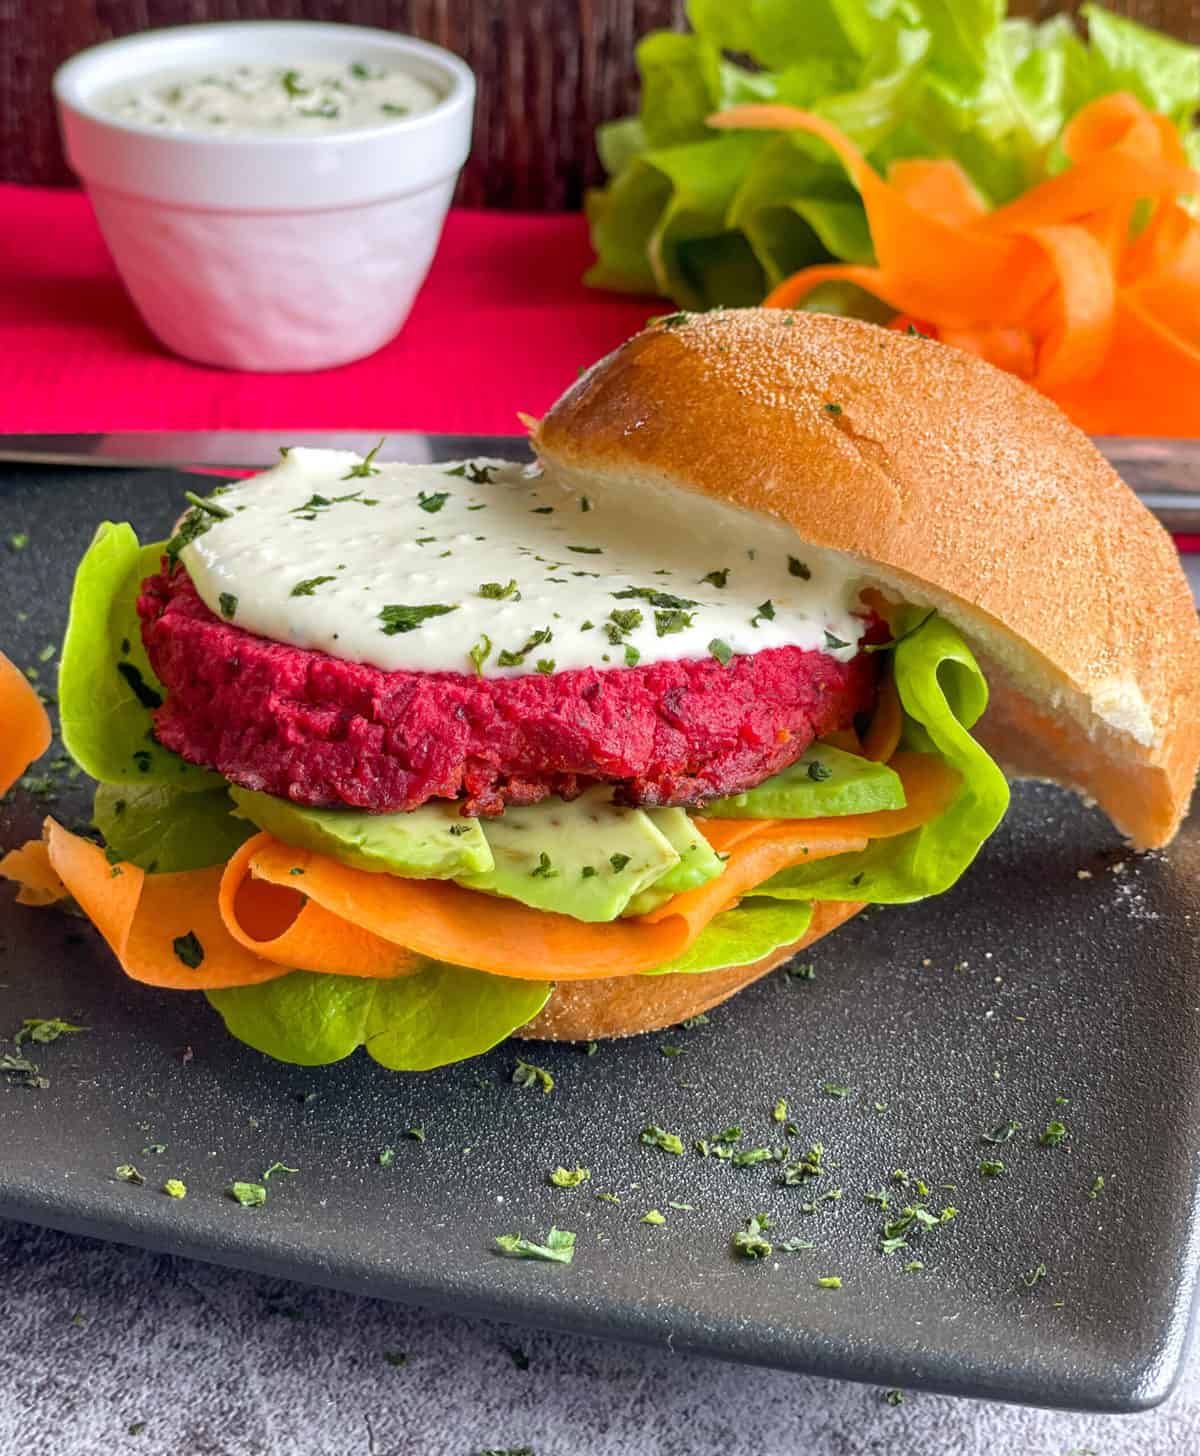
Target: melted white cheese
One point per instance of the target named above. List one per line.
(249, 99)
(535, 577)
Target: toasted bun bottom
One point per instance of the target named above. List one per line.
(626, 1005)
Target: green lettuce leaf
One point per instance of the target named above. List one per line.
(439, 1015)
(943, 693)
(106, 687)
(904, 78)
(741, 936)
(164, 830)
(1162, 72)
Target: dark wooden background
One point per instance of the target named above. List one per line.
(548, 71)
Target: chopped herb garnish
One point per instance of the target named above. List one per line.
(175, 1188)
(670, 320)
(700, 1019)
(652, 1215)
(832, 643)
(990, 1167)
(434, 501)
(587, 872)
(836, 1089)
(819, 772)
(189, 950)
(765, 613)
(147, 696)
(570, 1178)
(387, 1156)
(476, 474)
(804, 972)
(618, 862)
(277, 1168)
(228, 604)
(584, 503)
(670, 621)
(751, 1242)
(1001, 1133)
(1052, 1134)
(364, 467)
(396, 618)
(799, 568)
(655, 598)
(480, 653)
(795, 1246)
(780, 1111)
(632, 656)
(308, 588)
(508, 658)
(717, 578)
(830, 1281)
(43, 1029)
(559, 1247)
(544, 869)
(416, 1133)
(809, 1166)
(209, 507)
(525, 1074)
(669, 1049)
(193, 525)
(623, 619)
(1030, 1278)
(544, 665)
(721, 651)
(249, 1195)
(1097, 1187)
(658, 1137)
(18, 540)
(748, 1157)
(21, 1071)
(893, 1397)
(127, 1173)
(496, 593)
(587, 550)
(833, 409)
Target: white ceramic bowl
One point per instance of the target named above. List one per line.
(259, 251)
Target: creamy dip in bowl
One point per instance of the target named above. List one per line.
(272, 191)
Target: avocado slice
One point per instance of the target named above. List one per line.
(585, 858)
(823, 782)
(433, 842)
(698, 861)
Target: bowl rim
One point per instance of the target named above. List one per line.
(70, 80)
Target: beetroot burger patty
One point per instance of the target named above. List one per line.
(320, 731)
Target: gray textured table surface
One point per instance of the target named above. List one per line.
(110, 1349)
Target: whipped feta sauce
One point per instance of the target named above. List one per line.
(246, 100)
(499, 570)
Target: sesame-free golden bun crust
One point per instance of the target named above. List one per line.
(626, 1005)
(952, 485)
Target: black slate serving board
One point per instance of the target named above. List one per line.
(1061, 966)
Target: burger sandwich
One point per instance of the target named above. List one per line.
(420, 757)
